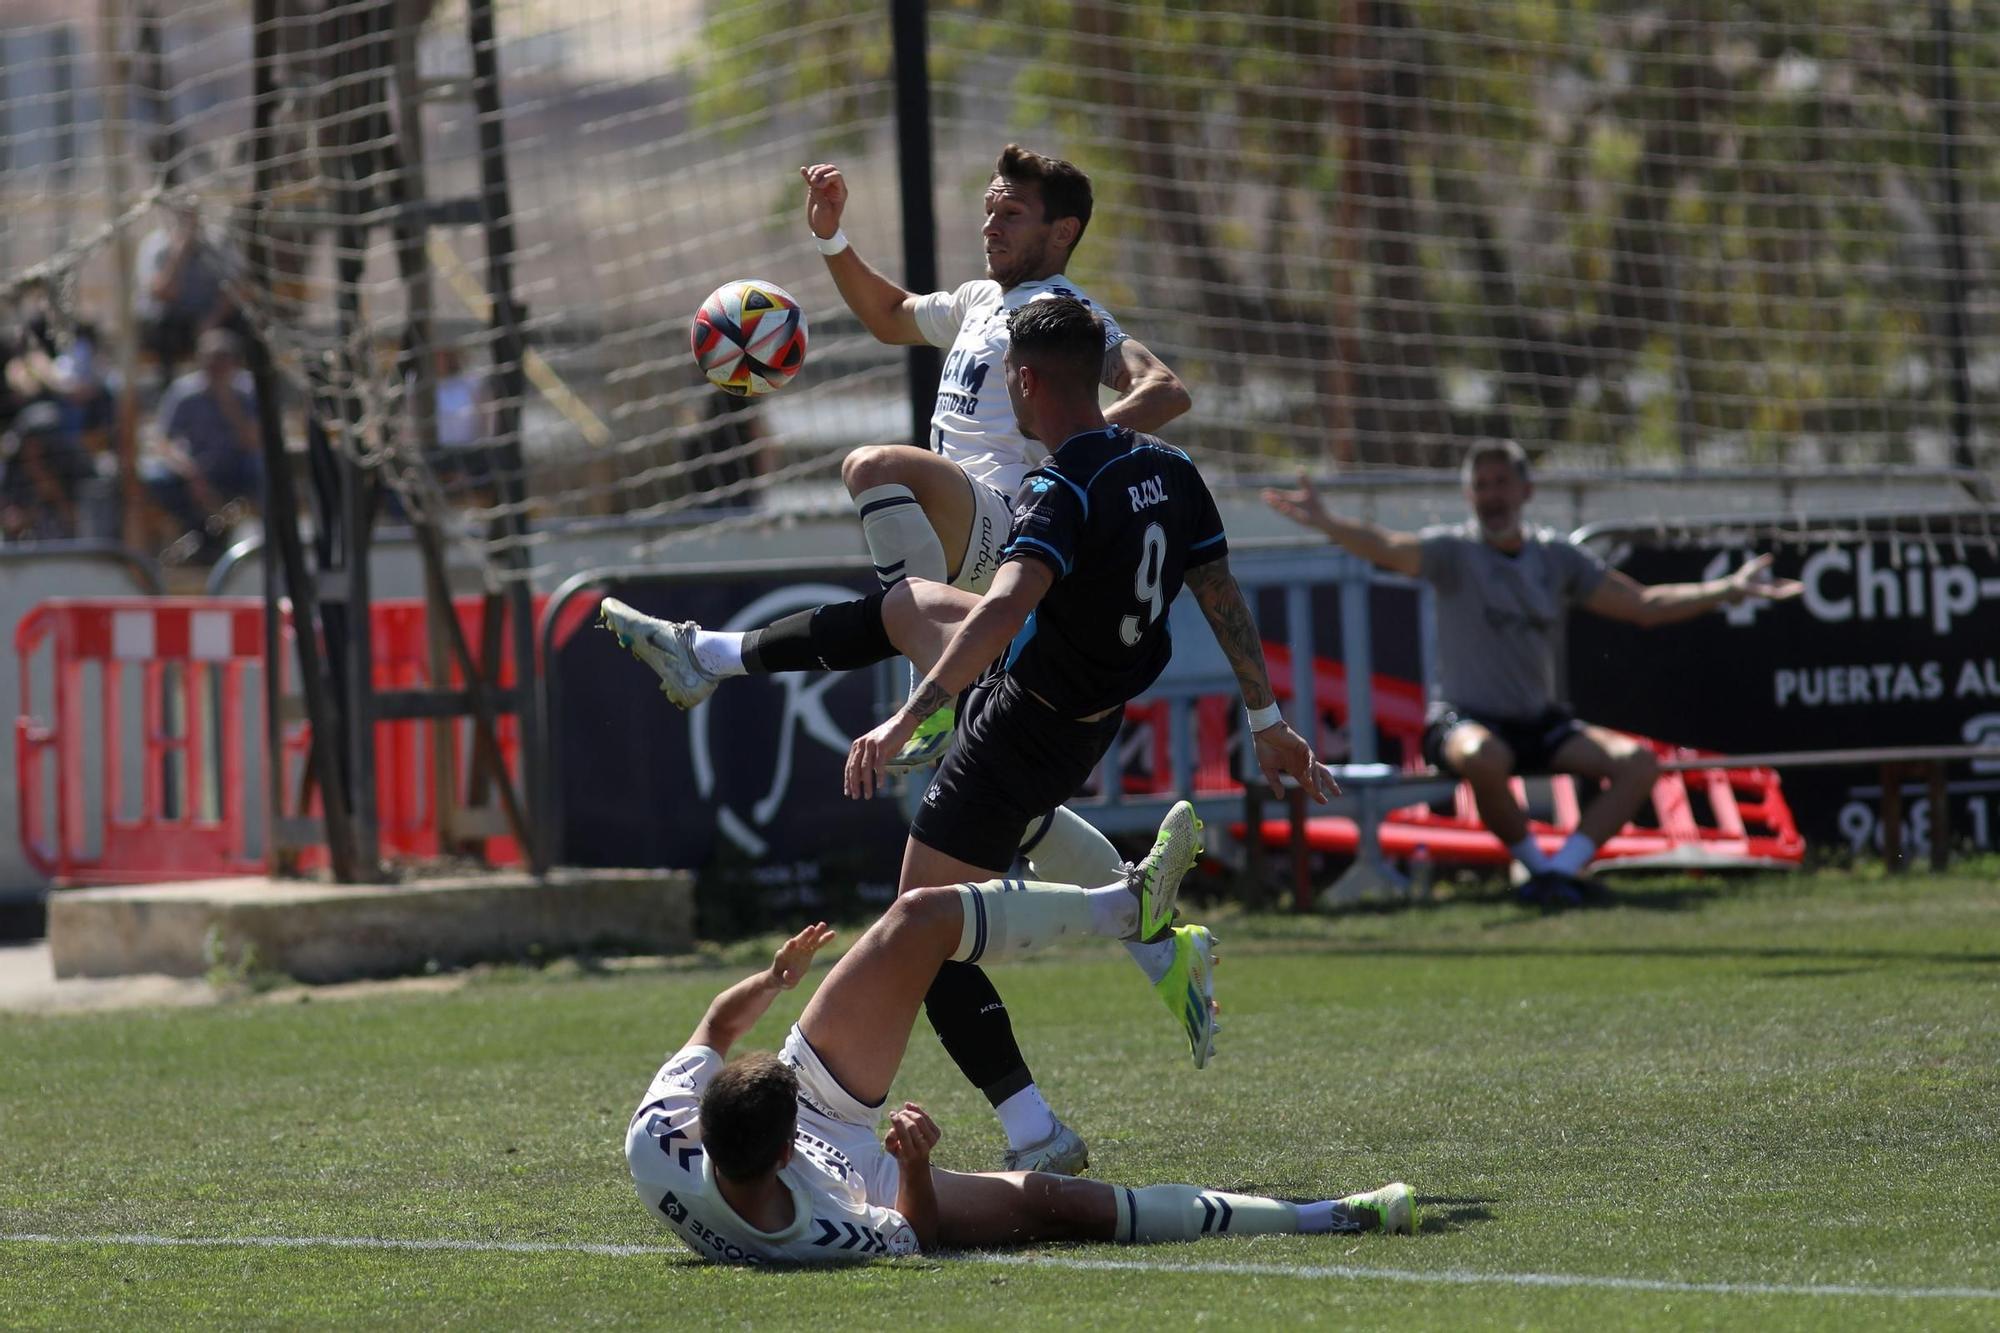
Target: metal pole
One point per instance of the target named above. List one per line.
(1357, 654)
(497, 213)
(1958, 273)
(908, 26)
(361, 63)
(113, 74)
(281, 514)
(63, 70)
(409, 193)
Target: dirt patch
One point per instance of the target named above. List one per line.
(28, 985)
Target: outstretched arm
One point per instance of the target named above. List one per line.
(1623, 598)
(886, 310)
(1397, 552)
(1149, 395)
(1280, 750)
(736, 1010)
(982, 636)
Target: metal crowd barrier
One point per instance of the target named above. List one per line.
(29, 573)
(139, 752)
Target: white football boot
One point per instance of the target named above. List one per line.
(666, 646)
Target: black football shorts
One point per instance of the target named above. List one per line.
(1015, 759)
(1534, 740)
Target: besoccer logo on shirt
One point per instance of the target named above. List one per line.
(675, 1210)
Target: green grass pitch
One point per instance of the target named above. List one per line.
(1770, 1103)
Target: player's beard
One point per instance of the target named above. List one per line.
(1018, 265)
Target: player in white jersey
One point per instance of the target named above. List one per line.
(773, 1159)
(942, 512)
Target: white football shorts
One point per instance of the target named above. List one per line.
(992, 519)
(830, 1112)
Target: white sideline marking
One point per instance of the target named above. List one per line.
(1449, 1277)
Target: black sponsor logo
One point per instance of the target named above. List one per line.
(705, 1239)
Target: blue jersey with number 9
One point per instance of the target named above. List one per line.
(1120, 517)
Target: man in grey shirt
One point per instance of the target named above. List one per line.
(1503, 594)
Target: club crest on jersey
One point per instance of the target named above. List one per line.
(1152, 491)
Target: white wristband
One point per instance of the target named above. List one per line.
(831, 245)
(1263, 719)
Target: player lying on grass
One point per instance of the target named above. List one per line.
(773, 1159)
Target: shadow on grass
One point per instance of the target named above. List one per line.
(1444, 1213)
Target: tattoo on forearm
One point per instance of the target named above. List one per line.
(1229, 616)
(929, 697)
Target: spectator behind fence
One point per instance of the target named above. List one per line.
(182, 292)
(208, 458)
(26, 346)
(87, 390)
(43, 366)
(464, 461)
(1503, 593)
(43, 475)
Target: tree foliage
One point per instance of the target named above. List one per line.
(1662, 230)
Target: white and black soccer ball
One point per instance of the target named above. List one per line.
(749, 337)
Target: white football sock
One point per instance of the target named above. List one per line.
(1573, 855)
(1007, 918)
(719, 652)
(1026, 1118)
(1070, 850)
(1155, 959)
(1529, 853)
(1185, 1212)
(900, 538)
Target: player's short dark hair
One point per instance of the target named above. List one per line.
(1065, 189)
(1481, 450)
(748, 1114)
(1060, 338)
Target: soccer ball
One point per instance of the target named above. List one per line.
(749, 337)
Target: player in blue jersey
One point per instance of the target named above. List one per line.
(1105, 534)
(774, 1159)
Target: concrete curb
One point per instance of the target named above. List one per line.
(340, 932)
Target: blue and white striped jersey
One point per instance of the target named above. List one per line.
(833, 1221)
(973, 423)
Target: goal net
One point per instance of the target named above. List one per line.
(1630, 236)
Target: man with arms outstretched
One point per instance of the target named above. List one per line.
(773, 1159)
(1075, 625)
(1503, 590)
(942, 512)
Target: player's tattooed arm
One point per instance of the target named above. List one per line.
(1221, 601)
(1281, 752)
(930, 697)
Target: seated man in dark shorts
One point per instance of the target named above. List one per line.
(774, 1158)
(1075, 625)
(1503, 591)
